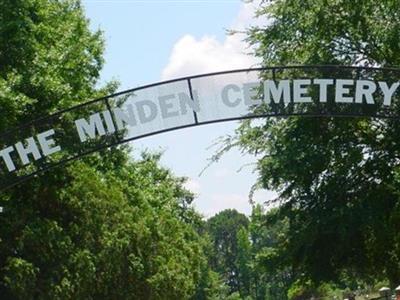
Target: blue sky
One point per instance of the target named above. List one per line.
(140, 35)
(149, 41)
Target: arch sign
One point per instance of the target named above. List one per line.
(313, 91)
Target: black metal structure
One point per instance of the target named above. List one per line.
(208, 85)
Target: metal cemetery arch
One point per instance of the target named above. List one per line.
(308, 91)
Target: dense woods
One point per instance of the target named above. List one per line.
(337, 178)
(112, 227)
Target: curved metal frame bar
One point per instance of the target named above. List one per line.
(62, 162)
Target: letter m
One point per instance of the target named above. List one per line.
(86, 129)
(270, 89)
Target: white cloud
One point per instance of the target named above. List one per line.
(246, 17)
(209, 206)
(195, 56)
(193, 186)
(220, 202)
(222, 173)
(191, 56)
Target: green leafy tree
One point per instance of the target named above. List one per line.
(106, 236)
(336, 178)
(104, 227)
(244, 261)
(223, 229)
(272, 274)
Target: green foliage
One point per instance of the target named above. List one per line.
(104, 236)
(243, 261)
(223, 229)
(211, 286)
(106, 227)
(306, 289)
(336, 178)
(109, 227)
(49, 59)
(20, 277)
(254, 264)
(328, 32)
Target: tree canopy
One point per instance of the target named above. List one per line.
(104, 227)
(337, 179)
(113, 227)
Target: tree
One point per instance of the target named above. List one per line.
(272, 274)
(104, 227)
(336, 178)
(224, 230)
(105, 236)
(244, 262)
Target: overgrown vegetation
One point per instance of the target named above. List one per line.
(111, 227)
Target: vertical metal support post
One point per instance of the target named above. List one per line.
(196, 121)
(116, 135)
